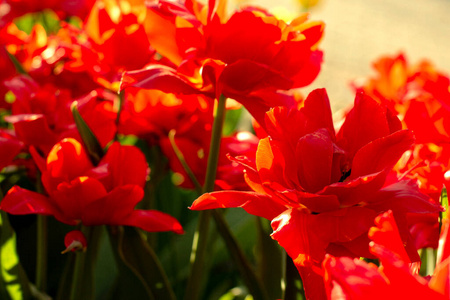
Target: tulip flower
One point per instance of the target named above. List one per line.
(418, 93)
(74, 240)
(322, 190)
(249, 52)
(41, 115)
(105, 194)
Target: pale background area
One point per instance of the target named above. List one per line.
(359, 31)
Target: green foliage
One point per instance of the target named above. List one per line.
(14, 283)
(93, 147)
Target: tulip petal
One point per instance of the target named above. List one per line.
(292, 230)
(271, 164)
(314, 155)
(9, 148)
(245, 76)
(122, 165)
(73, 198)
(158, 77)
(114, 207)
(153, 221)
(318, 104)
(347, 278)
(381, 153)
(32, 129)
(386, 233)
(19, 201)
(256, 204)
(399, 276)
(68, 160)
(364, 123)
(358, 190)
(403, 196)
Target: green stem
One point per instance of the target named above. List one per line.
(180, 156)
(249, 276)
(41, 244)
(82, 280)
(283, 272)
(216, 136)
(431, 260)
(199, 243)
(80, 262)
(119, 111)
(41, 253)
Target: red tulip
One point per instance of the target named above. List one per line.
(418, 93)
(41, 115)
(322, 190)
(74, 240)
(93, 195)
(251, 52)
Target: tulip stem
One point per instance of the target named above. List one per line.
(251, 280)
(41, 253)
(200, 240)
(180, 156)
(80, 261)
(83, 272)
(119, 111)
(214, 148)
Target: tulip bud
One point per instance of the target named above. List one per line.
(74, 240)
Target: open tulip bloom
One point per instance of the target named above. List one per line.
(78, 191)
(322, 190)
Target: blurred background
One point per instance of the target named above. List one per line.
(359, 31)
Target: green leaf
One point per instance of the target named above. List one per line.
(269, 260)
(93, 147)
(17, 65)
(13, 280)
(106, 272)
(134, 256)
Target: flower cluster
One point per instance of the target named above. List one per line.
(117, 115)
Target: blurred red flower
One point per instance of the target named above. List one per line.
(12, 9)
(152, 115)
(116, 40)
(93, 195)
(419, 94)
(10, 146)
(322, 190)
(41, 115)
